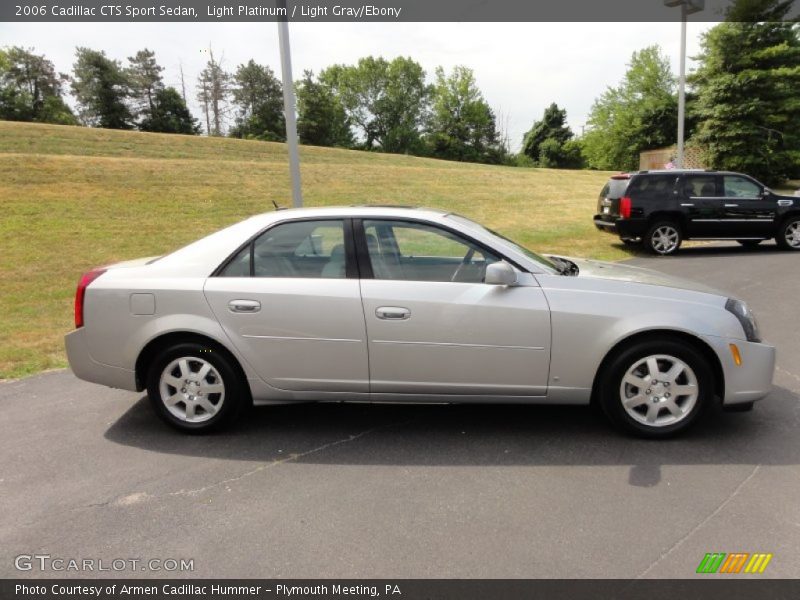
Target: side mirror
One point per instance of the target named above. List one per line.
(500, 273)
(766, 192)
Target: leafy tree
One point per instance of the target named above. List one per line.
(213, 91)
(747, 92)
(556, 155)
(386, 100)
(639, 114)
(258, 95)
(144, 75)
(169, 114)
(553, 126)
(322, 120)
(462, 126)
(31, 89)
(101, 87)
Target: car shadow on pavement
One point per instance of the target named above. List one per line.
(706, 250)
(474, 435)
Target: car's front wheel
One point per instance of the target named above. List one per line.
(656, 388)
(663, 238)
(195, 387)
(788, 237)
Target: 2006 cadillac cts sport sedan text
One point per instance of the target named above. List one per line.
(408, 305)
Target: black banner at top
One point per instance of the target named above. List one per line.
(367, 11)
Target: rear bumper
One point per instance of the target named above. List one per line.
(87, 368)
(621, 227)
(752, 380)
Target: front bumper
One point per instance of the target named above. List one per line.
(752, 380)
(87, 368)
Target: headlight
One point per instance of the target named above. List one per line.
(746, 318)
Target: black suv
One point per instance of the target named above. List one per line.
(663, 208)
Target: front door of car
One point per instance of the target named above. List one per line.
(290, 303)
(435, 328)
(701, 200)
(748, 211)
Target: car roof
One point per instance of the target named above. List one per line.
(364, 210)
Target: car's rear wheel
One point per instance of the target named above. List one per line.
(663, 238)
(656, 388)
(749, 243)
(788, 237)
(194, 387)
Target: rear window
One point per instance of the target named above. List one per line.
(652, 186)
(615, 188)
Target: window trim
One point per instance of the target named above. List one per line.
(362, 251)
(351, 269)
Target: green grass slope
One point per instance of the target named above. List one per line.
(73, 198)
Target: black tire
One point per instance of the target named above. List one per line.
(749, 243)
(610, 387)
(784, 229)
(654, 238)
(229, 403)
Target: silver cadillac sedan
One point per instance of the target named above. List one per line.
(387, 304)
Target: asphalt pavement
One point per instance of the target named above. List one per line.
(412, 491)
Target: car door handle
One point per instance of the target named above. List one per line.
(392, 313)
(686, 204)
(244, 306)
(731, 205)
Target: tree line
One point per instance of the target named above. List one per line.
(376, 104)
(743, 108)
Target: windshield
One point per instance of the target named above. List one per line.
(545, 262)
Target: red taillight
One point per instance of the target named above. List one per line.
(625, 207)
(81, 292)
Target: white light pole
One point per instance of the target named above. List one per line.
(289, 106)
(688, 7)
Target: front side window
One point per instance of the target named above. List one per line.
(739, 187)
(309, 249)
(701, 186)
(409, 251)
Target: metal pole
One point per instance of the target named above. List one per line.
(289, 106)
(682, 89)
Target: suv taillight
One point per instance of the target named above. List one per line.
(80, 293)
(625, 207)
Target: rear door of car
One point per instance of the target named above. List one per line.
(701, 199)
(435, 328)
(291, 304)
(748, 212)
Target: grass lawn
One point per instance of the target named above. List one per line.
(73, 198)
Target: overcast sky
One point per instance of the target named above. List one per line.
(520, 67)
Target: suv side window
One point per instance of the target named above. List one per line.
(700, 186)
(740, 187)
(308, 249)
(652, 187)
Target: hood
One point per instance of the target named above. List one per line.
(620, 272)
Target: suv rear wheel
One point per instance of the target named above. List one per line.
(788, 237)
(663, 238)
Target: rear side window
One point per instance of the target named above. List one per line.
(652, 187)
(307, 249)
(701, 186)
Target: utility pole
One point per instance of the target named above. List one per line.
(688, 7)
(289, 106)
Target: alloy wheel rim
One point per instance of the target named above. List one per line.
(665, 239)
(659, 390)
(793, 234)
(191, 389)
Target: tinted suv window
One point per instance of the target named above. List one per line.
(652, 187)
(704, 186)
(740, 187)
(311, 249)
(615, 188)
